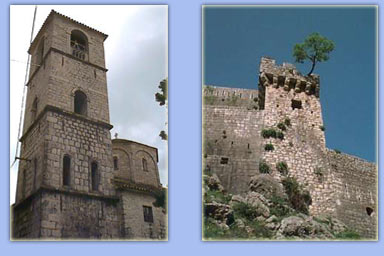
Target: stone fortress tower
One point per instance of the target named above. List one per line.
(234, 120)
(74, 182)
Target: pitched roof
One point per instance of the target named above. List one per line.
(51, 14)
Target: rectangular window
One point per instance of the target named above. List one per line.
(94, 176)
(115, 163)
(224, 160)
(66, 170)
(148, 215)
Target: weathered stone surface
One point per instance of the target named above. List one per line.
(266, 185)
(68, 189)
(340, 185)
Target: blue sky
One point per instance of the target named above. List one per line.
(235, 39)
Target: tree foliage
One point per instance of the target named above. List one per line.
(315, 48)
(163, 96)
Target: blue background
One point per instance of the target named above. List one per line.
(184, 162)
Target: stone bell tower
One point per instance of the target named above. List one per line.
(64, 187)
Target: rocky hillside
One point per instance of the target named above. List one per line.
(270, 210)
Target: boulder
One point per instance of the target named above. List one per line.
(213, 182)
(267, 186)
(221, 212)
(259, 202)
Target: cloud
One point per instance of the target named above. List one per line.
(136, 56)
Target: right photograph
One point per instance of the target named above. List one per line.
(289, 123)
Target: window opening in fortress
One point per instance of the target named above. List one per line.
(66, 170)
(144, 163)
(115, 163)
(94, 176)
(369, 211)
(34, 109)
(224, 160)
(78, 44)
(80, 103)
(148, 215)
(296, 104)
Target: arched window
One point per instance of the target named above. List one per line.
(115, 163)
(145, 166)
(79, 44)
(80, 103)
(94, 176)
(369, 211)
(66, 170)
(34, 109)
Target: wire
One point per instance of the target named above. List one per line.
(25, 83)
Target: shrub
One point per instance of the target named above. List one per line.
(282, 167)
(280, 135)
(348, 235)
(337, 151)
(322, 127)
(264, 167)
(287, 121)
(217, 196)
(244, 210)
(268, 133)
(269, 147)
(281, 126)
(298, 198)
(279, 207)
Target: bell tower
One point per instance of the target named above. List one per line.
(64, 187)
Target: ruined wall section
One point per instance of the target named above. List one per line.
(355, 186)
(231, 137)
(291, 96)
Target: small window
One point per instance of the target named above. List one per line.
(296, 104)
(66, 170)
(94, 176)
(115, 163)
(224, 160)
(80, 103)
(148, 215)
(369, 211)
(145, 165)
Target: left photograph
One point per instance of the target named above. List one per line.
(88, 122)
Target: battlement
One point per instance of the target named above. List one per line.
(288, 77)
(214, 95)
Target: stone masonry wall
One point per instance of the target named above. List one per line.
(340, 185)
(303, 146)
(355, 192)
(130, 157)
(232, 132)
(83, 142)
(69, 216)
(133, 217)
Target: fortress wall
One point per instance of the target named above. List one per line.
(232, 133)
(355, 192)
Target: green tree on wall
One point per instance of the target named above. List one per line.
(162, 98)
(315, 48)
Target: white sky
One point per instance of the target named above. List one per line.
(136, 53)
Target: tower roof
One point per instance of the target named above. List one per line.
(48, 19)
